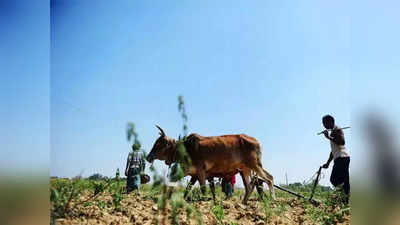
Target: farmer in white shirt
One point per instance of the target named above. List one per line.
(339, 154)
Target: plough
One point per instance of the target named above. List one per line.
(310, 199)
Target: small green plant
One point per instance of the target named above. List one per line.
(132, 135)
(62, 193)
(336, 199)
(181, 164)
(98, 187)
(195, 195)
(315, 213)
(266, 202)
(218, 211)
(176, 172)
(117, 198)
(101, 204)
(199, 216)
(86, 204)
(182, 110)
(189, 211)
(333, 202)
(280, 209)
(176, 203)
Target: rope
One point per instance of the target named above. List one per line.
(314, 177)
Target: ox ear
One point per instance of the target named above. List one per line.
(162, 133)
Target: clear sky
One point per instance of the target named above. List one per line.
(269, 69)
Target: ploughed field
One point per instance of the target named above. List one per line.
(85, 201)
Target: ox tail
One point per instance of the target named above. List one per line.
(258, 151)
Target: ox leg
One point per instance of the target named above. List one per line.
(212, 187)
(202, 180)
(252, 182)
(245, 177)
(244, 183)
(192, 181)
(267, 177)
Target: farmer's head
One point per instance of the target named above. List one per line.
(136, 146)
(328, 121)
(162, 148)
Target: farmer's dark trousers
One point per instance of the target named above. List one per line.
(340, 174)
(133, 179)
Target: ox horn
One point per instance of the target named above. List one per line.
(162, 133)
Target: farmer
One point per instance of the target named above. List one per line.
(227, 186)
(135, 165)
(341, 158)
(117, 175)
(233, 182)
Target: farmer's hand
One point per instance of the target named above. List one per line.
(325, 166)
(326, 133)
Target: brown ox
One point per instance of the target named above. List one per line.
(224, 154)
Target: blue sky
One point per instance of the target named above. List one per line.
(270, 69)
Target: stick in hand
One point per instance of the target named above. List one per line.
(331, 130)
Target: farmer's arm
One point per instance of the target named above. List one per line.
(326, 165)
(336, 136)
(127, 166)
(142, 163)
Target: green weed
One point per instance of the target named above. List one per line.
(218, 211)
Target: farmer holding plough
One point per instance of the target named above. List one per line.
(339, 154)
